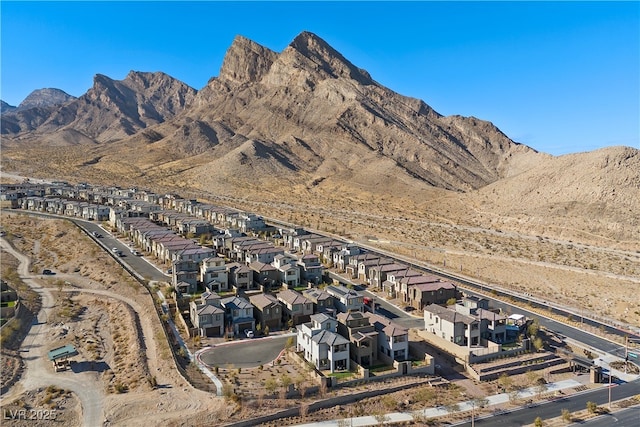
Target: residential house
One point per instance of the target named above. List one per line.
(267, 311)
(311, 270)
(449, 324)
(365, 265)
(323, 302)
(288, 270)
(391, 286)
(422, 294)
(393, 339)
(296, 308)
(346, 299)
(207, 315)
(341, 258)
(378, 274)
(321, 345)
(240, 277)
(238, 314)
(351, 269)
(265, 276)
(362, 336)
(214, 274)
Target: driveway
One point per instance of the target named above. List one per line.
(247, 353)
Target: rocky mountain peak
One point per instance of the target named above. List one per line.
(327, 58)
(246, 61)
(44, 98)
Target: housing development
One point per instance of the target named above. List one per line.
(229, 285)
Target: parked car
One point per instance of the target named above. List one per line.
(96, 234)
(47, 272)
(169, 271)
(248, 333)
(409, 308)
(135, 253)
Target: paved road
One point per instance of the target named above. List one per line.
(248, 353)
(629, 417)
(577, 402)
(86, 385)
(138, 263)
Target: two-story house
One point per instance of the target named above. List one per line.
(322, 301)
(288, 270)
(267, 311)
(346, 299)
(265, 276)
(311, 269)
(296, 308)
(393, 339)
(213, 274)
(450, 325)
(238, 314)
(207, 315)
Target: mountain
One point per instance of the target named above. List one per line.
(45, 98)
(110, 110)
(311, 115)
(5, 107)
(307, 123)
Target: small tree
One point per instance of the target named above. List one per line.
(566, 416)
(285, 382)
(538, 422)
(290, 342)
(270, 385)
(514, 397)
(538, 344)
(451, 301)
(381, 418)
(505, 382)
(266, 331)
(533, 328)
(540, 389)
(592, 407)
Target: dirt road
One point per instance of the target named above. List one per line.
(86, 385)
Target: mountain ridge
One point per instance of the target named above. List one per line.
(305, 119)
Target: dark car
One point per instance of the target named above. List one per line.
(409, 308)
(47, 272)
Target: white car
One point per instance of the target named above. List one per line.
(248, 333)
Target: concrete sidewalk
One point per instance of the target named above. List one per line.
(398, 417)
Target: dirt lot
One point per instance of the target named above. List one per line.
(111, 320)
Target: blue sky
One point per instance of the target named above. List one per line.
(561, 77)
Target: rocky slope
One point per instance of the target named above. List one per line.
(109, 111)
(45, 98)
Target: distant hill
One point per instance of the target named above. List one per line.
(4, 107)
